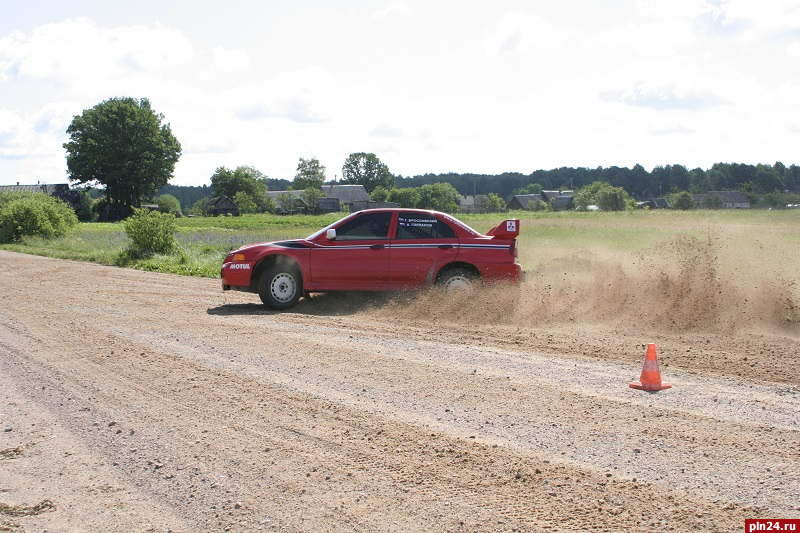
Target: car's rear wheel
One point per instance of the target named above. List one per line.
(280, 286)
(456, 281)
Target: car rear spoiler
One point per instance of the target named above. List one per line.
(508, 229)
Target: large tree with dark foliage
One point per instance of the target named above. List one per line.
(367, 170)
(246, 179)
(310, 174)
(121, 144)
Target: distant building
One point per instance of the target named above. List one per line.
(223, 206)
(563, 202)
(560, 200)
(660, 203)
(733, 199)
(355, 197)
(521, 201)
(327, 205)
(298, 204)
(655, 203)
(473, 204)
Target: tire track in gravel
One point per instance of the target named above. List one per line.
(385, 463)
(496, 395)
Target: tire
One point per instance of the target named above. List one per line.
(280, 286)
(456, 281)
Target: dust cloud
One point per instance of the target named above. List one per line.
(685, 285)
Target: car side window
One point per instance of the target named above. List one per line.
(368, 226)
(422, 226)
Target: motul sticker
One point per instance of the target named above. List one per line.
(240, 266)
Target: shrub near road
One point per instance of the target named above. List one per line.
(33, 214)
(150, 233)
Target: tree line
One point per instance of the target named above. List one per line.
(122, 145)
(753, 181)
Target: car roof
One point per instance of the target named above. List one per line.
(395, 209)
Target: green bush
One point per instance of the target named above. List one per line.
(683, 200)
(150, 233)
(612, 199)
(34, 215)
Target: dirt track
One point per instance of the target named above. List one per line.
(133, 401)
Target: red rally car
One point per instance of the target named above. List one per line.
(375, 250)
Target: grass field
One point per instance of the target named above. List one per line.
(743, 238)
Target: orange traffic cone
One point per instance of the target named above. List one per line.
(650, 380)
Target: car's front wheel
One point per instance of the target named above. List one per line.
(456, 281)
(280, 286)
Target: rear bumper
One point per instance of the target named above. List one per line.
(507, 273)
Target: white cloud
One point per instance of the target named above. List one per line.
(226, 61)
(520, 32)
(394, 7)
(76, 51)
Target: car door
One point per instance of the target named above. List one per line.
(357, 258)
(422, 244)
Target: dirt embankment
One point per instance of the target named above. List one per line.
(133, 401)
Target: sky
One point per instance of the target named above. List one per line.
(429, 86)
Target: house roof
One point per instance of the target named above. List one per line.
(57, 189)
(730, 197)
(661, 203)
(346, 193)
(469, 200)
(276, 194)
(524, 199)
(222, 202)
(562, 202)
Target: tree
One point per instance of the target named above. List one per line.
(245, 203)
(587, 195)
(531, 188)
(612, 199)
(380, 194)
(684, 201)
(539, 205)
(121, 144)
(495, 204)
(286, 202)
(408, 197)
(367, 170)
(200, 207)
(226, 182)
(310, 175)
(310, 196)
(168, 204)
(438, 196)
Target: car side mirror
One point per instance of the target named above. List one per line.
(330, 234)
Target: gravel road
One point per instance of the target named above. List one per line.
(135, 401)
